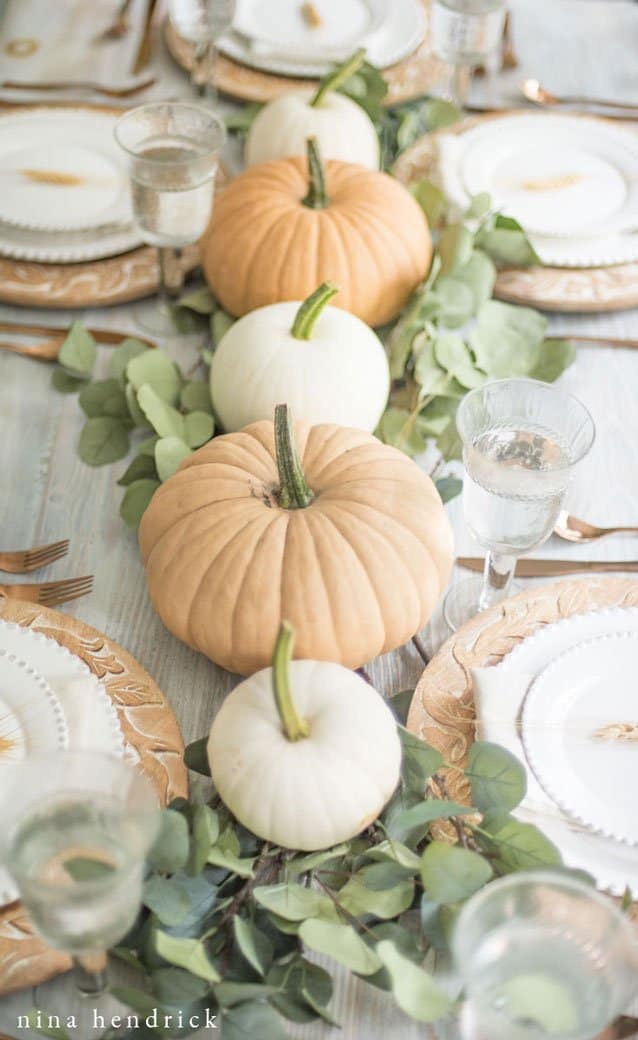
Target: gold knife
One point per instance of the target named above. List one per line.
(143, 55)
(552, 568)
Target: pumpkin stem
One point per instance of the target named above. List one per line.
(338, 77)
(294, 726)
(306, 317)
(294, 493)
(317, 197)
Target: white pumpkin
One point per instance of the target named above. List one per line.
(306, 753)
(342, 128)
(325, 363)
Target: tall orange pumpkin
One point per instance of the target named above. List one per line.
(346, 539)
(283, 227)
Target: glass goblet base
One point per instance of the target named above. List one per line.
(461, 603)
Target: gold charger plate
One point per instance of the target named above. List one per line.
(150, 728)
(584, 289)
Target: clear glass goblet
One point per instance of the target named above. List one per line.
(203, 22)
(173, 150)
(77, 829)
(521, 440)
(466, 33)
(543, 956)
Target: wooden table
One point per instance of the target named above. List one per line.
(47, 493)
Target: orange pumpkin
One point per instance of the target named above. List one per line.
(347, 539)
(283, 227)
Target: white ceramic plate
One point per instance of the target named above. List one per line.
(613, 864)
(400, 32)
(556, 174)
(345, 25)
(78, 149)
(604, 251)
(588, 688)
(66, 247)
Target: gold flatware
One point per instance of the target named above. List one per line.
(554, 568)
(628, 115)
(143, 55)
(50, 593)
(95, 88)
(538, 95)
(574, 530)
(23, 561)
(49, 348)
(118, 27)
(599, 341)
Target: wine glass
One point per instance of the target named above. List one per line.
(77, 828)
(172, 149)
(203, 22)
(542, 955)
(521, 440)
(466, 33)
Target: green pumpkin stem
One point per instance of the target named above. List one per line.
(336, 79)
(294, 726)
(294, 493)
(317, 197)
(306, 317)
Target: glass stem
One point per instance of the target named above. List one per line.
(497, 578)
(204, 66)
(90, 973)
(171, 275)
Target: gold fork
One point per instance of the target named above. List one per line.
(50, 593)
(23, 561)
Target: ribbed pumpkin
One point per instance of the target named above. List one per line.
(284, 226)
(347, 539)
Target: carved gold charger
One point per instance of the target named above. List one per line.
(565, 289)
(150, 729)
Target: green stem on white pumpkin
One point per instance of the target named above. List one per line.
(294, 493)
(336, 79)
(317, 197)
(294, 726)
(311, 308)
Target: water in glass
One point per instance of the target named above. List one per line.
(466, 32)
(200, 20)
(172, 191)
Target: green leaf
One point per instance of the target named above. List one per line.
(479, 205)
(189, 954)
(200, 300)
(451, 874)
(517, 845)
(303, 864)
(455, 247)
(292, 902)
(431, 200)
(167, 899)
(170, 851)
(436, 416)
(82, 869)
(196, 756)
(199, 428)
(220, 323)
(195, 397)
(342, 943)
(176, 987)
(103, 397)
(448, 487)
(555, 356)
(398, 428)
(165, 420)
(455, 302)
(428, 373)
(359, 900)
(65, 383)
(155, 369)
(205, 832)
(497, 778)
(103, 440)
(449, 443)
(230, 993)
(79, 351)
(399, 704)
(508, 248)
(306, 989)
(418, 817)
(367, 87)
(136, 500)
(254, 945)
(253, 1021)
(380, 876)
(395, 852)
(420, 761)
(134, 410)
(440, 113)
(415, 991)
(141, 466)
(125, 352)
(144, 1003)
(170, 452)
(479, 275)
(219, 856)
(507, 339)
(147, 446)
(454, 355)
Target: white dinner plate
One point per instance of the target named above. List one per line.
(344, 26)
(556, 174)
(568, 708)
(61, 170)
(614, 864)
(66, 247)
(400, 32)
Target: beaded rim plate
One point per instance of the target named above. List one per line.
(153, 739)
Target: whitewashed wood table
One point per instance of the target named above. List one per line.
(47, 493)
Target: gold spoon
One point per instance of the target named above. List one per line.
(539, 95)
(574, 530)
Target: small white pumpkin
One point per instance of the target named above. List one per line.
(327, 364)
(305, 753)
(342, 128)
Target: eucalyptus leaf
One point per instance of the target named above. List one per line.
(66, 383)
(144, 1003)
(103, 440)
(136, 500)
(196, 756)
(431, 378)
(147, 446)
(361, 901)
(452, 353)
(420, 761)
(223, 857)
(431, 200)
(449, 487)
(516, 845)
(418, 817)
(497, 779)
(415, 991)
(455, 247)
(398, 428)
(292, 902)
(203, 899)
(456, 302)
(341, 942)
(507, 339)
(167, 899)
(399, 704)
(141, 467)
(78, 352)
(170, 850)
(395, 852)
(165, 420)
(252, 1021)
(205, 832)
(195, 397)
(200, 300)
(479, 275)
(230, 993)
(220, 323)
(451, 873)
(125, 352)
(254, 945)
(380, 876)
(189, 954)
(103, 397)
(440, 113)
(303, 864)
(134, 410)
(479, 205)
(198, 428)
(508, 248)
(175, 986)
(170, 452)
(449, 443)
(555, 356)
(155, 369)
